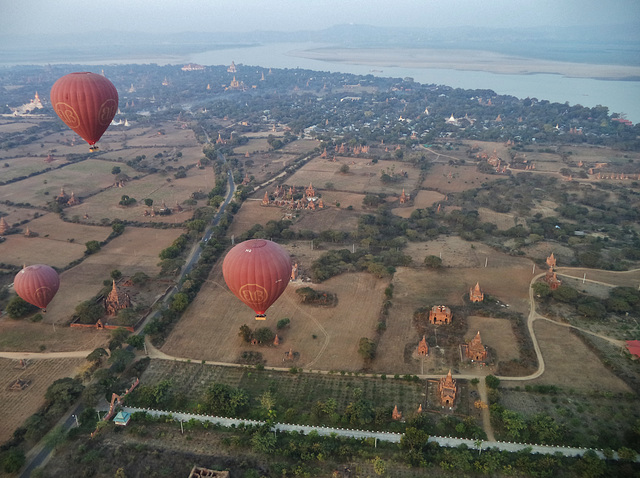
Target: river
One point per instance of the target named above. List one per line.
(618, 96)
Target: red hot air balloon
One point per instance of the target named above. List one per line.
(257, 271)
(86, 102)
(37, 284)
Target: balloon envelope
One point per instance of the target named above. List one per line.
(37, 284)
(257, 271)
(86, 102)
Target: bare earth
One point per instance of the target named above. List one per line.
(474, 60)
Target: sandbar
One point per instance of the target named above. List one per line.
(469, 60)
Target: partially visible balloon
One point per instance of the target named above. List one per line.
(257, 271)
(37, 284)
(86, 102)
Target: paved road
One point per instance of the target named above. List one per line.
(40, 454)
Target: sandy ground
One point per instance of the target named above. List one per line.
(473, 60)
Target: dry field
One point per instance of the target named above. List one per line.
(83, 179)
(19, 250)
(618, 279)
(363, 176)
(135, 250)
(267, 164)
(26, 165)
(15, 215)
(502, 220)
(16, 126)
(569, 363)
(252, 212)
(452, 179)
(300, 146)
(336, 219)
(256, 144)
(25, 336)
(50, 226)
(345, 199)
(594, 154)
(325, 338)
(495, 333)
(156, 187)
(422, 200)
(148, 137)
(16, 407)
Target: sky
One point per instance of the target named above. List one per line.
(20, 17)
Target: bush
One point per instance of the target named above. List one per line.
(282, 323)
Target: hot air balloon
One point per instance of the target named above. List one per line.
(37, 284)
(257, 271)
(86, 102)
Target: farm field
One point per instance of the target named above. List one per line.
(299, 391)
(26, 336)
(363, 175)
(18, 250)
(446, 179)
(16, 406)
(252, 212)
(570, 363)
(135, 250)
(83, 178)
(325, 338)
(327, 219)
(16, 125)
(25, 165)
(155, 187)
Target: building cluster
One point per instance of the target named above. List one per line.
(28, 108)
(67, 200)
(283, 197)
(473, 351)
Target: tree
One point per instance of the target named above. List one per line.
(344, 169)
(88, 312)
(18, 308)
(492, 381)
(117, 228)
(246, 333)
(282, 323)
(115, 274)
(433, 262)
(12, 460)
(180, 302)
(366, 348)
(541, 289)
(118, 337)
(379, 466)
(115, 170)
(96, 355)
(120, 358)
(148, 202)
(64, 391)
(92, 247)
(264, 335)
(136, 341)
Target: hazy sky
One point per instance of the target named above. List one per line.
(52, 16)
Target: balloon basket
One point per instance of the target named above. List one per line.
(93, 148)
(261, 317)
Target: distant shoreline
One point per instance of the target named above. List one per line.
(467, 60)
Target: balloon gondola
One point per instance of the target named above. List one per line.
(86, 102)
(37, 284)
(257, 271)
